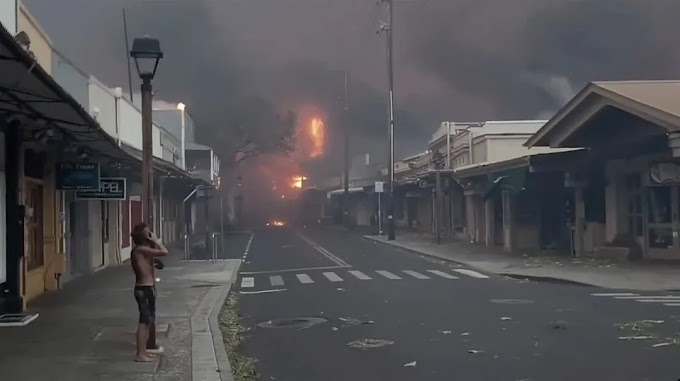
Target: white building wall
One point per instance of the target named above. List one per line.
(102, 104)
(8, 15)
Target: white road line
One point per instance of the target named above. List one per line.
(672, 304)
(360, 275)
(648, 297)
(330, 256)
(471, 273)
(442, 274)
(387, 274)
(247, 282)
(304, 278)
(655, 300)
(415, 274)
(616, 294)
(333, 277)
(276, 280)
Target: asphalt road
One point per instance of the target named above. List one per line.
(440, 321)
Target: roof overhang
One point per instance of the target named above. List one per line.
(650, 106)
(166, 168)
(29, 93)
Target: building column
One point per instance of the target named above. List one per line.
(489, 223)
(580, 221)
(470, 217)
(15, 213)
(508, 222)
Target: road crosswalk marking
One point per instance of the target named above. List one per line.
(471, 273)
(304, 278)
(337, 276)
(442, 274)
(416, 275)
(666, 300)
(387, 274)
(360, 275)
(333, 277)
(247, 282)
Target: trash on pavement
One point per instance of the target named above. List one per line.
(445, 332)
(411, 364)
(369, 343)
(340, 289)
(350, 322)
(334, 328)
(505, 318)
(558, 325)
(635, 337)
(667, 343)
(474, 351)
(651, 321)
(465, 334)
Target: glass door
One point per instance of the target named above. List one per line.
(662, 217)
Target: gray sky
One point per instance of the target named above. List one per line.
(463, 60)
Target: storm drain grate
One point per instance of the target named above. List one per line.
(299, 323)
(17, 320)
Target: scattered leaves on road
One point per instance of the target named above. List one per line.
(243, 367)
(369, 343)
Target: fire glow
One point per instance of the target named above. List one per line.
(317, 135)
(297, 182)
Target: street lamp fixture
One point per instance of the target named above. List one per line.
(147, 53)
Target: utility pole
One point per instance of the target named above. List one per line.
(388, 28)
(438, 160)
(345, 196)
(147, 153)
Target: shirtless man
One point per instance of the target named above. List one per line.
(146, 249)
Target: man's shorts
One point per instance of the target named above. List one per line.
(146, 300)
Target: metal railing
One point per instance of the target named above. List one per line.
(214, 245)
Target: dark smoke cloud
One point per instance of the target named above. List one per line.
(454, 60)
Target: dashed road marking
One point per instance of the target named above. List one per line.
(471, 273)
(416, 274)
(387, 274)
(442, 274)
(247, 282)
(616, 294)
(333, 277)
(360, 275)
(304, 278)
(276, 280)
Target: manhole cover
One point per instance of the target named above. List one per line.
(300, 323)
(512, 301)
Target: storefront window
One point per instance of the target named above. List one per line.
(634, 189)
(660, 205)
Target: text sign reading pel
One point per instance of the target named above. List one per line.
(110, 188)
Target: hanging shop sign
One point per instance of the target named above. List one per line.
(110, 188)
(77, 176)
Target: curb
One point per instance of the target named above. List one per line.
(533, 278)
(209, 360)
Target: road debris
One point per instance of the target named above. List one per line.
(465, 334)
(351, 322)
(635, 337)
(474, 351)
(369, 343)
(506, 318)
(445, 332)
(411, 364)
(340, 289)
(558, 324)
(334, 328)
(665, 344)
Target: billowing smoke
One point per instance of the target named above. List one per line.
(455, 60)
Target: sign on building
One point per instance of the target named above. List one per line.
(77, 176)
(110, 188)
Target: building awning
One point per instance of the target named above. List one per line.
(29, 93)
(513, 180)
(653, 101)
(341, 191)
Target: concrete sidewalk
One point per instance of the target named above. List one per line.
(649, 276)
(86, 330)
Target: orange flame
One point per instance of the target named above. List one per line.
(317, 133)
(297, 181)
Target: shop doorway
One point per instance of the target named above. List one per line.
(663, 222)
